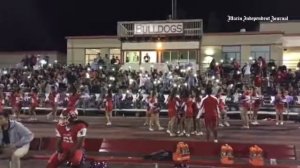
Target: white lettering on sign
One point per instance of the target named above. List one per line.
(158, 28)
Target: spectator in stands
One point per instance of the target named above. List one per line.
(15, 139)
(113, 60)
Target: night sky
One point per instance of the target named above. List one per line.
(43, 24)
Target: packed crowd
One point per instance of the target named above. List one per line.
(130, 88)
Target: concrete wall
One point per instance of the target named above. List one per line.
(161, 45)
(76, 47)
(286, 27)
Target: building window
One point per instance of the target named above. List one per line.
(149, 57)
(115, 52)
(193, 56)
(166, 57)
(132, 57)
(230, 53)
(260, 51)
(91, 55)
(179, 56)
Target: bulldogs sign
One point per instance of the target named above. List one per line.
(158, 28)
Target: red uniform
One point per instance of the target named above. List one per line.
(52, 97)
(15, 101)
(69, 137)
(257, 81)
(108, 104)
(279, 103)
(152, 104)
(189, 112)
(256, 101)
(34, 100)
(73, 99)
(245, 100)
(210, 106)
(1, 104)
(172, 107)
(221, 105)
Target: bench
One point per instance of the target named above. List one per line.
(133, 150)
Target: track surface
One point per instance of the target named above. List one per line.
(132, 128)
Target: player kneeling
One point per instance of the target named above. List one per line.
(70, 134)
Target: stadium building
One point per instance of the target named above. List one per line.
(146, 44)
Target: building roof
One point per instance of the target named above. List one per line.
(93, 37)
(243, 33)
(205, 34)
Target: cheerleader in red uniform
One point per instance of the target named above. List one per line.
(198, 112)
(180, 105)
(245, 107)
(223, 120)
(255, 104)
(1, 99)
(280, 101)
(189, 113)
(148, 114)
(73, 101)
(108, 107)
(171, 103)
(16, 103)
(52, 98)
(34, 104)
(154, 111)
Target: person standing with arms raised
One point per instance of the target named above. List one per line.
(209, 106)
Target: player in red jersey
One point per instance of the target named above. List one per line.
(16, 103)
(108, 107)
(52, 98)
(34, 104)
(210, 106)
(171, 103)
(245, 107)
(70, 141)
(189, 113)
(280, 101)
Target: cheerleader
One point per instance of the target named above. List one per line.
(154, 112)
(245, 107)
(171, 103)
(34, 104)
(16, 103)
(255, 104)
(223, 120)
(180, 105)
(52, 98)
(280, 101)
(148, 114)
(108, 107)
(2, 98)
(197, 121)
(189, 113)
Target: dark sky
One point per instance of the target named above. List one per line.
(43, 24)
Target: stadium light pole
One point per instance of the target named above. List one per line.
(174, 9)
